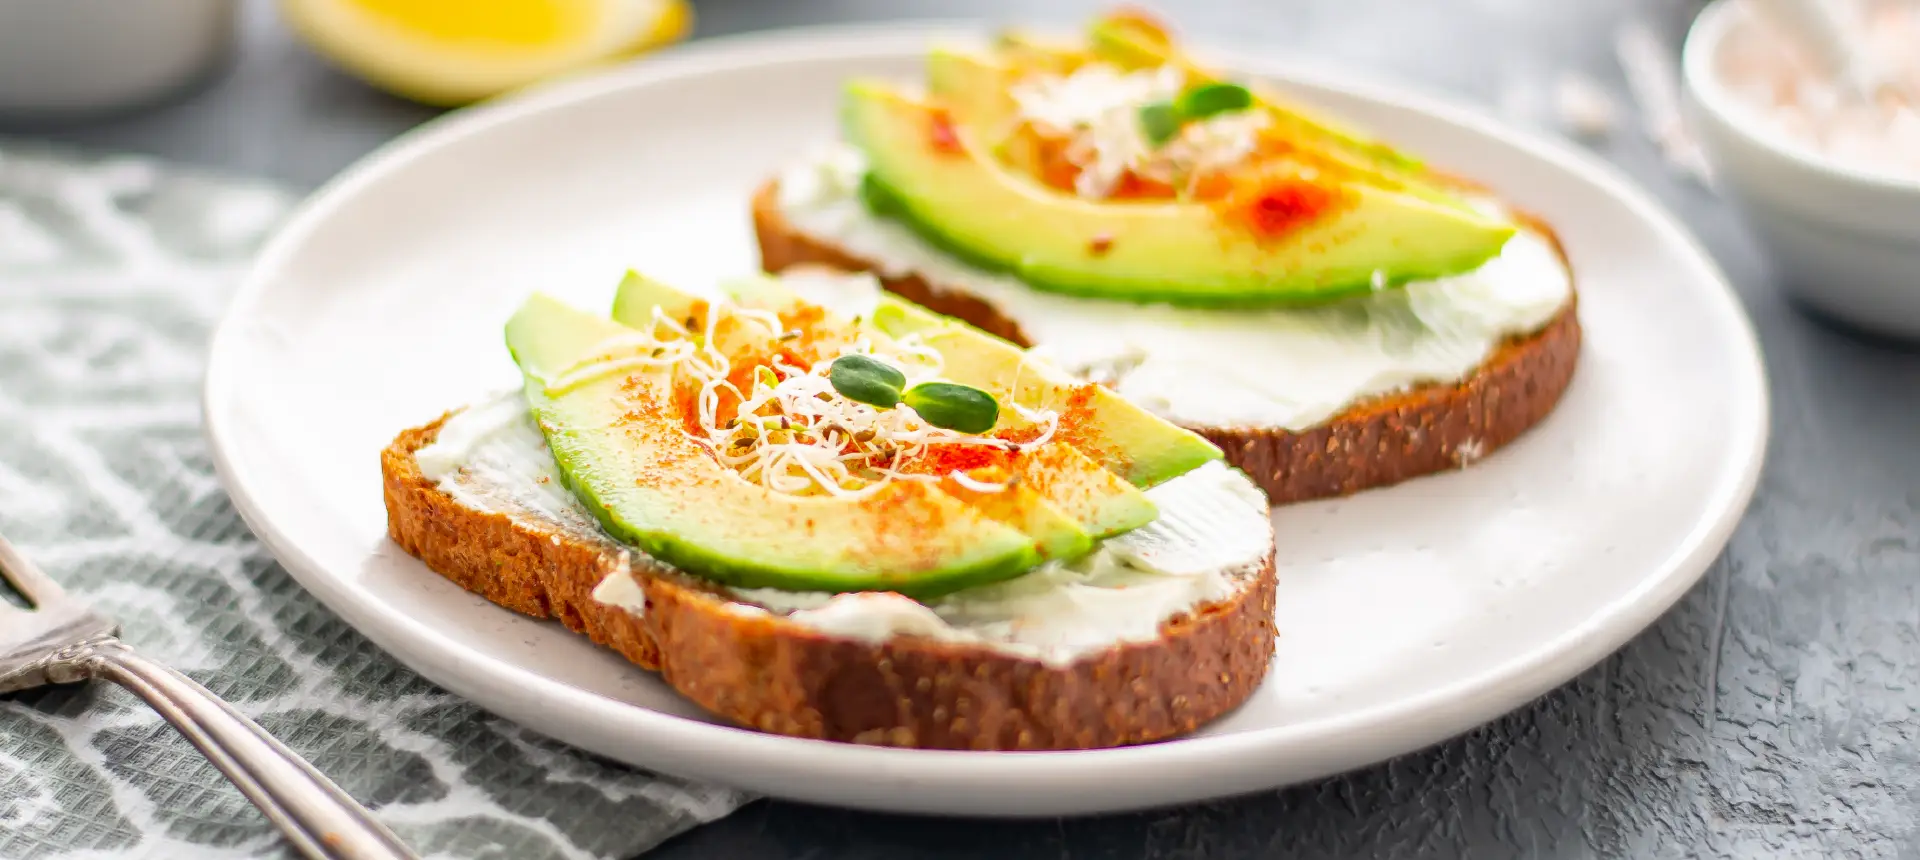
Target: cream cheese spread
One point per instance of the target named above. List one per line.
(620, 589)
(1291, 369)
(1213, 533)
(492, 457)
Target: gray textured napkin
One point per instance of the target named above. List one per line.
(112, 273)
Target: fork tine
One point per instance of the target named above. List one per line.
(37, 587)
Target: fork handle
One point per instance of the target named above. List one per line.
(321, 821)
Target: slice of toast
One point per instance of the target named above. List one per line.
(764, 671)
(1375, 442)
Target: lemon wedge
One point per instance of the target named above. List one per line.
(451, 52)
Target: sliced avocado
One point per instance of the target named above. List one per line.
(1098, 490)
(1034, 52)
(1056, 534)
(978, 90)
(1132, 41)
(1100, 501)
(1123, 438)
(625, 455)
(638, 295)
(1296, 240)
(975, 86)
(1071, 485)
(759, 290)
(898, 317)
(1129, 40)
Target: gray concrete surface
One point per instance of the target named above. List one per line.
(1771, 714)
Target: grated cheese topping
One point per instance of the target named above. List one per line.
(788, 429)
(1096, 111)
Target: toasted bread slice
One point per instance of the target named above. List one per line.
(1373, 443)
(764, 671)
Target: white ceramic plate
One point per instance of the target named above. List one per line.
(1406, 615)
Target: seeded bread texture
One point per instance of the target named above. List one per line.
(1374, 443)
(764, 672)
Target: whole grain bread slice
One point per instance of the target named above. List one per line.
(763, 671)
(1374, 443)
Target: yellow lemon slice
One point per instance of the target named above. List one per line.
(449, 52)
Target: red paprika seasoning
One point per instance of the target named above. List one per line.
(941, 134)
(1276, 207)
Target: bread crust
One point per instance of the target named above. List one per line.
(1374, 443)
(765, 672)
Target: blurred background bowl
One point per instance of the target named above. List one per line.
(1845, 241)
(75, 58)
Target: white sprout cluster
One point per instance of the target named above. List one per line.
(793, 432)
(1097, 110)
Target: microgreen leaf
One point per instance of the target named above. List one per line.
(866, 380)
(1159, 122)
(1206, 100)
(961, 408)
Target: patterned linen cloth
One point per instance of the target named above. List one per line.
(112, 272)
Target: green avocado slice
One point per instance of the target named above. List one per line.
(1056, 533)
(1124, 438)
(976, 87)
(1100, 501)
(623, 453)
(637, 296)
(1301, 241)
(1098, 492)
(1130, 41)
(1036, 52)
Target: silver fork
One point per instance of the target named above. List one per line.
(62, 641)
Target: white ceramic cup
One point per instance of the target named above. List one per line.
(1846, 241)
(79, 57)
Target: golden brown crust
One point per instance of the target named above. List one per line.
(507, 562)
(1375, 443)
(768, 673)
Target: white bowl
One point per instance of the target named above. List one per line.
(1845, 241)
(71, 58)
